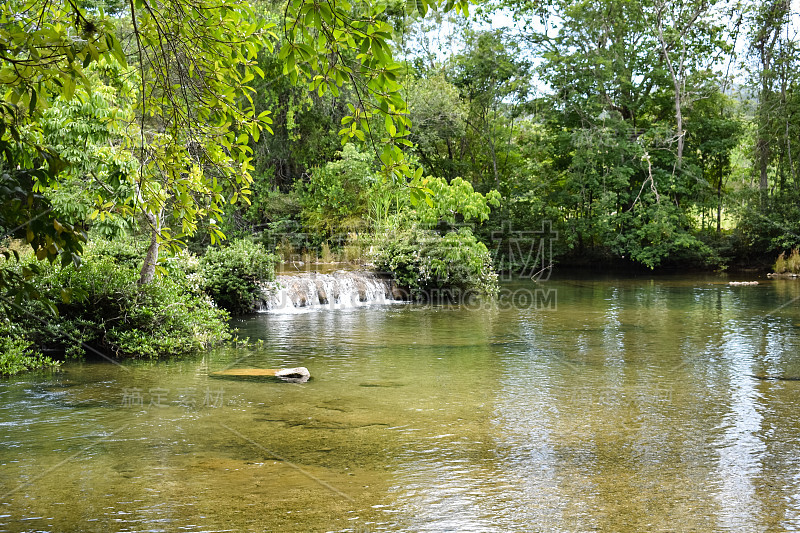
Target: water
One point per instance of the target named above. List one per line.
(342, 289)
(631, 406)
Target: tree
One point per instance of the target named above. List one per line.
(620, 79)
(336, 196)
(43, 54)
(716, 132)
(318, 37)
(689, 39)
(193, 61)
(768, 21)
(191, 130)
(439, 115)
(493, 78)
(195, 112)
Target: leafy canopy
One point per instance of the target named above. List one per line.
(188, 115)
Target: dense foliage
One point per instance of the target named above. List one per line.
(660, 133)
(103, 311)
(18, 354)
(788, 265)
(453, 266)
(336, 196)
(232, 274)
(671, 152)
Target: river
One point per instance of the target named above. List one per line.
(596, 404)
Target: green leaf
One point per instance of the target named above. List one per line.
(32, 105)
(389, 125)
(8, 76)
(68, 88)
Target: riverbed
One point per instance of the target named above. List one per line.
(576, 404)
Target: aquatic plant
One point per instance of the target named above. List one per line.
(18, 354)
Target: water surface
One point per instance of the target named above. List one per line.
(632, 405)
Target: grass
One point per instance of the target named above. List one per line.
(789, 264)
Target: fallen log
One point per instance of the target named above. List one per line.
(299, 373)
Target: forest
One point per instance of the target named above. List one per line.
(159, 157)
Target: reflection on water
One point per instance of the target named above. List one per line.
(634, 405)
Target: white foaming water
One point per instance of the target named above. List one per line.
(340, 290)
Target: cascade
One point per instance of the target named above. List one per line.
(341, 289)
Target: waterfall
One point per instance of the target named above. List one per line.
(341, 289)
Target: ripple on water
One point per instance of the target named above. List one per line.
(631, 407)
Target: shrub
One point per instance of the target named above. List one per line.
(123, 250)
(102, 308)
(232, 274)
(427, 263)
(769, 224)
(18, 354)
(793, 262)
(335, 198)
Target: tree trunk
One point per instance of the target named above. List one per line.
(494, 164)
(762, 147)
(766, 37)
(762, 141)
(679, 124)
(787, 116)
(676, 82)
(719, 204)
(150, 260)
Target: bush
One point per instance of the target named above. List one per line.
(286, 237)
(427, 263)
(793, 262)
(780, 264)
(123, 251)
(17, 354)
(102, 308)
(769, 225)
(232, 274)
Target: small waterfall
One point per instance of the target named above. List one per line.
(342, 289)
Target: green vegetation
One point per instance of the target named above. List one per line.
(100, 309)
(788, 265)
(18, 354)
(336, 197)
(433, 266)
(358, 130)
(103, 310)
(231, 274)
